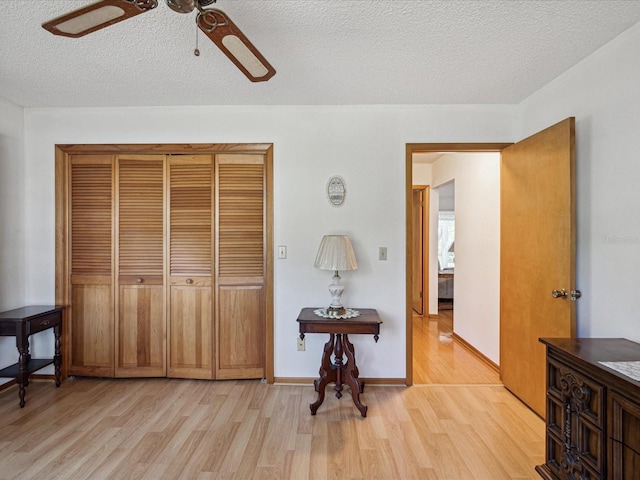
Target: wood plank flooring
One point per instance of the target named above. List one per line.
(190, 429)
(202, 430)
(439, 359)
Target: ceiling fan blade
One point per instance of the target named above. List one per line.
(96, 16)
(234, 44)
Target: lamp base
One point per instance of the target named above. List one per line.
(335, 289)
(336, 311)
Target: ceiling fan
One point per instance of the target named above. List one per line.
(213, 22)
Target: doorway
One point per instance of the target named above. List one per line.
(537, 247)
(443, 346)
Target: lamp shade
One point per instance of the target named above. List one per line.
(336, 253)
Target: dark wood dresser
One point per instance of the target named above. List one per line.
(593, 412)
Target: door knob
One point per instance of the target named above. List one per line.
(559, 293)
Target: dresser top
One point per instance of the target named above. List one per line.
(596, 350)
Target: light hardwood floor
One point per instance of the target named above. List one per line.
(438, 358)
(189, 429)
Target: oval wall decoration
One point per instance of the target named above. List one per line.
(336, 191)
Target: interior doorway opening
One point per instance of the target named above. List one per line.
(432, 341)
(536, 248)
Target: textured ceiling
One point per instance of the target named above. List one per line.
(331, 52)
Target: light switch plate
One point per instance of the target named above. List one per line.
(382, 253)
(282, 252)
(300, 344)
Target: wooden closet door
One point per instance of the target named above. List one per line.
(140, 327)
(190, 328)
(240, 266)
(91, 253)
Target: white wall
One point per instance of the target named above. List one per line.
(421, 174)
(477, 272)
(365, 145)
(603, 93)
(12, 195)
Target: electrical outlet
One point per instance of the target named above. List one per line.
(300, 344)
(382, 253)
(282, 252)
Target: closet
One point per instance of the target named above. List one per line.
(162, 260)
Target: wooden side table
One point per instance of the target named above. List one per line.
(21, 323)
(337, 371)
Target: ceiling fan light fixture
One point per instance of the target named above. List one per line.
(215, 24)
(181, 6)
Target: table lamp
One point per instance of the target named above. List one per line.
(336, 253)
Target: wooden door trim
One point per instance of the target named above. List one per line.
(410, 149)
(168, 149)
(268, 255)
(62, 246)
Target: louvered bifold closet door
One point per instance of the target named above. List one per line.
(190, 220)
(92, 309)
(240, 266)
(141, 325)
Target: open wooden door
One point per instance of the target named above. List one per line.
(418, 267)
(537, 256)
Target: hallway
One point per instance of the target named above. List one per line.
(438, 358)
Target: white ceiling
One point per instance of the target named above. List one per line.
(325, 52)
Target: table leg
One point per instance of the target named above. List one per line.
(337, 365)
(22, 379)
(327, 374)
(57, 358)
(351, 373)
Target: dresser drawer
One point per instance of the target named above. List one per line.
(588, 396)
(624, 434)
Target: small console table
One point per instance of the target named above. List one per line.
(21, 323)
(337, 371)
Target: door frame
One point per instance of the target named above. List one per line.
(410, 149)
(62, 247)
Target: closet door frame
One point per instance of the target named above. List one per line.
(63, 154)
